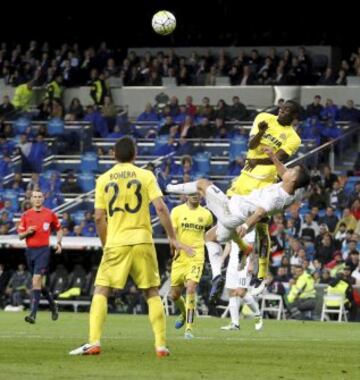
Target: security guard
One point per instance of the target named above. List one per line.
(54, 88)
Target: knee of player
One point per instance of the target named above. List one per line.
(174, 294)
(191, 287)
(241, 292)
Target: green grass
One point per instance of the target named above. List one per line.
(283, 350)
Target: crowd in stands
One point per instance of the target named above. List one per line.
(41, 64)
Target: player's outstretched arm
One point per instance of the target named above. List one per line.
(163, 213)
(255, 140)
(251, 221)
(101, 224)
(280, 167)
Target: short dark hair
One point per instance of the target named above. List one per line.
(303, 177)
(295, 106)
(125, 149)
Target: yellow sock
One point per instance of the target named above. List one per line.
(180, 304)
(190, 310)
(98, 313)
(243, 245)
(262, 229)
(157, 320)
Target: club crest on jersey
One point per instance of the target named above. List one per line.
(46, 226)
(200, 220)
(282, 136)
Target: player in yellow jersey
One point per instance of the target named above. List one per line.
(122, 219)
(190, 221)
(277, 133)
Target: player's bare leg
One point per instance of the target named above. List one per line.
(190, 307)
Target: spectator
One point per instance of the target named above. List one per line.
(76, 109)
(349, 113)
(315, 108)
(204, 130)
(206, 110)
(323, 230)
(70, 186)
(237, 111)
(148, 115)
(348, 219)
(182, 117)
(355, 209)
(54, 88)
(330, 219)
(328, 177)
(330, 111)
(356, 274)
(337, 197)
(296, 73)
(174, 106)
(325, 276)
(109, 112)
(325, 251)
(190, 107)
(19, 286)
(341, 79)
(317, 196)
(6, 108)
(169, 127)
(340, 232)
(336, 265)
(23, 97)
(247, 78)
(222, 110)
(327, 79)
(309, 229)
(353, 259)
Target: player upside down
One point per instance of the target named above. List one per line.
(238, 215)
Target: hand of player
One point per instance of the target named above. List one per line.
(267, 150)
(263, 126)
(58, 249)
(177, 246)
(31, 230)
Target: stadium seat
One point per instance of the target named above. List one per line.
(339, 310)
(21, 125)
(55, 127)
(202, 163)
(89, 162)
(350, 184)
(86, 181)
(272, 303)
(13, 196)
(78, 216)
(238, 147)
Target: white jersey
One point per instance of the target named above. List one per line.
(272, 199)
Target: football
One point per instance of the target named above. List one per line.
(163, 22)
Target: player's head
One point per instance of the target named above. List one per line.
(288, 112)
(193, 199)
(125, 149)
(298, 175)
(37, 198)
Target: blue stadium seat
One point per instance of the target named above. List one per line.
(350, 184)
(86, 181)
(55, 127)
(202, 163)
(238, 147)
(78, 216)
(47, 181)
(89, 162)
(21, 125)
(13, 196)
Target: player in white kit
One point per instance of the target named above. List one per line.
(238, 215)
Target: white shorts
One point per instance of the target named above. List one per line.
(236, 278)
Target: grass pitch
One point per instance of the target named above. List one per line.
(283, 350)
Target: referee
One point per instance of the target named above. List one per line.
(35, 226)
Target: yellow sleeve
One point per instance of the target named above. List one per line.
(210, 219)
(100, 201)
(254, 129)
(297, 289)
(291, 144)
(153, 188)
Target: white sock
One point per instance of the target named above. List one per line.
(234, 306)
(253, 305)
(183, 188)
(214, 251)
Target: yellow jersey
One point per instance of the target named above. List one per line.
(22, 97)
(125, 192)
(277, 137)
(190, 225)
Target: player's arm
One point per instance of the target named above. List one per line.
(25, 231)
(226, 252)
(101, 224)
(163, 213)
(254, 141)
(280, 167)
(59, 236)
(251, 221)
(280, 154)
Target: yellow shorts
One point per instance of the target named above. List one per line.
(244, 185)
(184, 269)
(138, 261)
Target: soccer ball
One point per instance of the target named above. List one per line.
(163, 22)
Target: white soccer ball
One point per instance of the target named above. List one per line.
(163, 22)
